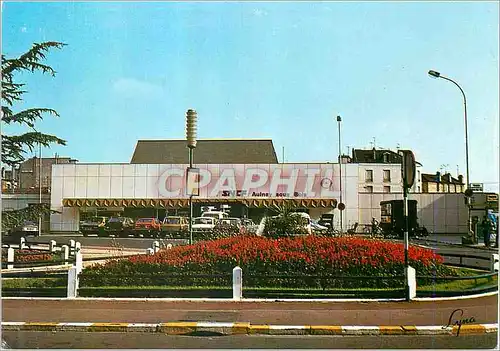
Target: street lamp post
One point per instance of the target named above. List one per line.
(339, 120)
(436, 74)
(40, 190)
(191, 118)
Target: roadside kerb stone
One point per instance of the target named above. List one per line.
(182, 328)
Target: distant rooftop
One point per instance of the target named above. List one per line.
(207, 151)
(376, 156)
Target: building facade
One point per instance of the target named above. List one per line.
(31, 176)
(437, 183)
(246, 176)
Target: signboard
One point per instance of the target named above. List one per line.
(476, 187)
(408, 168)
(193, 182)
(250, 181)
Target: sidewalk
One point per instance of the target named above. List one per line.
(288, 317)
(456, 240)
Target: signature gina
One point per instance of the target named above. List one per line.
(459, 313)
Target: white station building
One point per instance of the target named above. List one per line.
(245, 175)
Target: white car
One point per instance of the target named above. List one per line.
(201, 224)
(317, 228)
(215, 214)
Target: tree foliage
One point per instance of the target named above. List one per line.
(286, 223)
(14, 146)
(12, 219)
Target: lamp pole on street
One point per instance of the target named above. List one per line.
(339, 120)
(191, 119)
(467, 191)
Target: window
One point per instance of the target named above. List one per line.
(369, 189)
(387, 189)
(386, 158)
(387, 175)
(369, 175)
(418, 189)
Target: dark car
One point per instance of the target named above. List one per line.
(24, 229)
(326, 220)
(92, 225)
(118, 226)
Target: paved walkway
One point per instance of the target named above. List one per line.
(483, 310)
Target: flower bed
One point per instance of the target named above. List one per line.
(284, 262)
(28, 255)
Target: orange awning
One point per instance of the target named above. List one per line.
(179, 203)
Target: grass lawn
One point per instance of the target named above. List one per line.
(460, 285)
(440, 285)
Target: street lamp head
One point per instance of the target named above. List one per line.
(191, 119)
(339, 119)
(434, 74)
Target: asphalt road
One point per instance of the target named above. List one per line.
(80, 340)
(484, 310)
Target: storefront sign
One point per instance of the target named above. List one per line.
(253, 181)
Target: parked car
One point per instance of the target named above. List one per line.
(326, 220)
(249, 225)
(215, 214)
(147, 227)
(92, 225)
(318, 228)
(232, 223)
(120, 226)
(174, 226)
(24, 229)
(203, 224)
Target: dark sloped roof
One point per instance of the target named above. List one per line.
(376, 156)
(220, 151)
(445, 178)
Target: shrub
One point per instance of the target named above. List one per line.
(221, 230)
(263, 259)
(284, 226)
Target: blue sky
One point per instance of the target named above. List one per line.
(267, 70)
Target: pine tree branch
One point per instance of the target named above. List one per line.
(14, 146)
(30, 60)
(28, 116)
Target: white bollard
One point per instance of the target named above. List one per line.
(65, 253)
(494, 263)
(412, 282)
(10, 258)
(72, 247)
(150, 251)
(78, 261)
(237, 284)
(72, 282)
(22, 243)
(52, 246)
(156, 246)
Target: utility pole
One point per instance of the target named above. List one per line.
(191, 119)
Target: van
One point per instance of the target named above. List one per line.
(215, 214)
